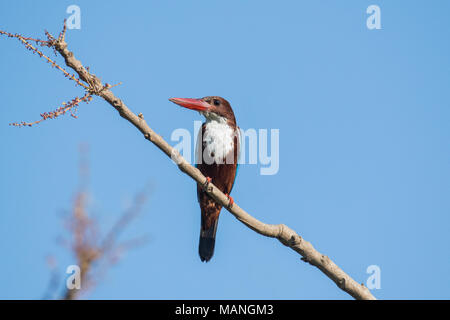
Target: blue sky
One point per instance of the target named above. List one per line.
(364, 121)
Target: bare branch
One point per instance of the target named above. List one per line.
(66, 106)
(284, 234)
(48, 43)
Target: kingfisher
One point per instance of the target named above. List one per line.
(217, 154)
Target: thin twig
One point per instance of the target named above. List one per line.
(66, 106)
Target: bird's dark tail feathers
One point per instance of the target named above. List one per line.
(207, 242)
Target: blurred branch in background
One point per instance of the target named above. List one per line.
(94, 252)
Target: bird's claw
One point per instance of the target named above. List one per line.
(208, 181)
(230, 199)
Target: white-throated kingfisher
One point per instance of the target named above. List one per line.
(217, 155)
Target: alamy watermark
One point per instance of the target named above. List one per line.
(74, 280)
(74, 20)
(374, 280)
(374, 20)
(254, 148)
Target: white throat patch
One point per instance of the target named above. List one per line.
(218, 142)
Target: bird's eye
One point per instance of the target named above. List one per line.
(216, 102)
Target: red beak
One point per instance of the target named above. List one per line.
(193, 104)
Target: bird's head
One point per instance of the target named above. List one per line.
(212, 108)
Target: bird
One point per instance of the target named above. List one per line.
(217, 154)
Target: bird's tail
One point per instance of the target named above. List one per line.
(207, 240)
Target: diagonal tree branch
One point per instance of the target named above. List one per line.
(283, 233)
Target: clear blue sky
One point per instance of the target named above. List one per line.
(364, 119)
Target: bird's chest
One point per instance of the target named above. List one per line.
(217, 142)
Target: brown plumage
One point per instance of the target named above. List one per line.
(222, 176)
(217, 158)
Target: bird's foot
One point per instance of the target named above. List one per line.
(207, 182)
(231, 201)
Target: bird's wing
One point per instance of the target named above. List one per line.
(199, 155)
(199, 145)
(238, 142)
